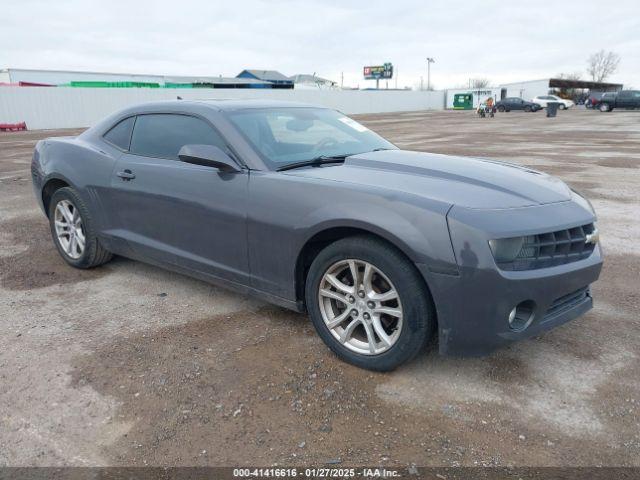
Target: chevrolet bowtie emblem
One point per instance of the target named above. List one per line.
(592, 237)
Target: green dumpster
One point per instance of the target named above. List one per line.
(463, 101)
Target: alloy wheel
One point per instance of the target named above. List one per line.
(69, 229)
(360, 306)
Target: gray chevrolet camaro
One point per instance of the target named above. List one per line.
(306, 208)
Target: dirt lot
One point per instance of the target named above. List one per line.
(131, 365)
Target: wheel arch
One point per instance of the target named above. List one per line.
(330, 234)
(50, 186)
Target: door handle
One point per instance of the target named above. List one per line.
(126, 175)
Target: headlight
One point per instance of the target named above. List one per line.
(587, 201)
(506, 249)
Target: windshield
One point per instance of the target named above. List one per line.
(288, 135)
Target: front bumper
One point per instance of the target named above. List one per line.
(473, 307)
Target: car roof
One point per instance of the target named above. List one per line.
(221, 104)
(233, 104)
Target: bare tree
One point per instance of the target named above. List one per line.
(602, 64)
(479, 82)
(570, 76)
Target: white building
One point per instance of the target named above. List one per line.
(533, 88)
(58, 77)
(526, 90)
(65, 77)
(529, 89)
(313, 82)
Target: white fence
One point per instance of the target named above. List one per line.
(67, 107)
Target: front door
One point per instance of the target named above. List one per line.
(190, 216)
(625, 99)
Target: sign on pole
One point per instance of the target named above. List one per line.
(378, 71)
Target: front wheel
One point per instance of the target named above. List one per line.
(527, 108)
(562, 107)
(368, 303)
(73, 231)
(501, 109)
(605, 107)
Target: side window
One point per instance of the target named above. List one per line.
(120, 134)
(163, 135)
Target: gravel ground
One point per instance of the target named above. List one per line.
(132, 365)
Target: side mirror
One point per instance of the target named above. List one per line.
(208, 156)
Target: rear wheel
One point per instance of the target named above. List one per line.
(73, 231)
(368, 303)
(501, 108)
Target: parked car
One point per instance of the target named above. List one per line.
(516, 103)
(308, 209)
(542, 100)
(629, 99)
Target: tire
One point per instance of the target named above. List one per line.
(407, 335)
(605, 107)
(527, 108)
(562, 106)
(501, 109)
(93, 253)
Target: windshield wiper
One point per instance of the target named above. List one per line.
(314, 162)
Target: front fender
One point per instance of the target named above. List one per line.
(287, 211)
(421, 235)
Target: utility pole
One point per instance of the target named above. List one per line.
(429, 62)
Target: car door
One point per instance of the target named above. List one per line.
(626, 99)
(171, 212)
(512, 103)
(622, 99)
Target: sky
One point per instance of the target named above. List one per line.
(500, 40)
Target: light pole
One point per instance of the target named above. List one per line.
(429, 62)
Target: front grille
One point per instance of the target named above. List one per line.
(551, 249)
(567, 301)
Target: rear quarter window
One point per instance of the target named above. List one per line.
(163, 135)
(120, 134)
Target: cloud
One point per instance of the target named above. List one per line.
(501, 40)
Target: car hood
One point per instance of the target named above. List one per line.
(463, 181)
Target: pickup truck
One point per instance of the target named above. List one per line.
(629, 99)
